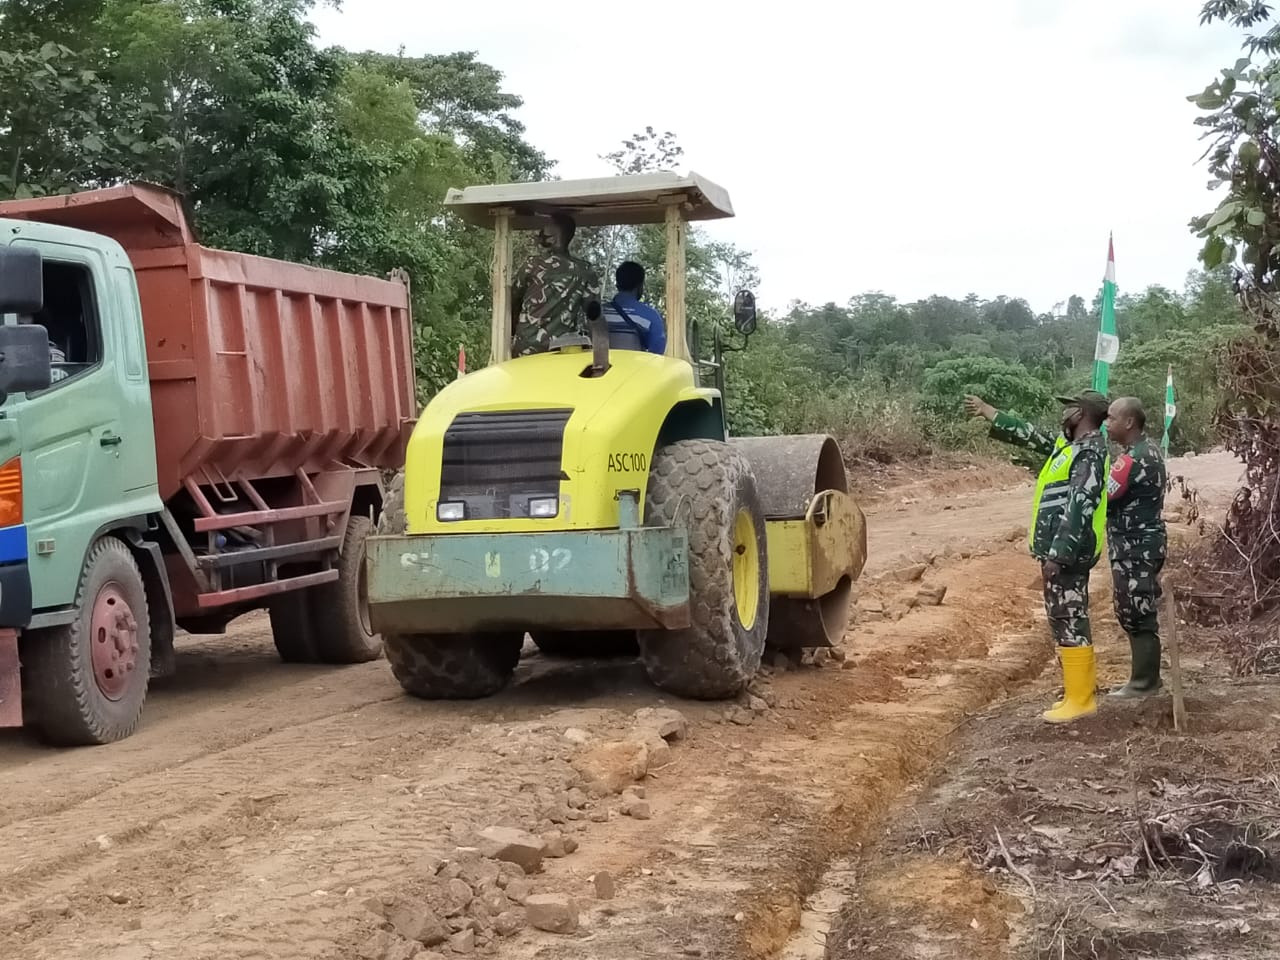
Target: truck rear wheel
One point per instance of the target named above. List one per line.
(339, 611)
(87, 680)
(707, 487)
(579, 644)
(291, 630)
(461, 666)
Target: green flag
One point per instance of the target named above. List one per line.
(1170, 410)
(1108, 345)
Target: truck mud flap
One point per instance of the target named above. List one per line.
(10, 680)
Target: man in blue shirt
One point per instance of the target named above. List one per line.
(634, 325)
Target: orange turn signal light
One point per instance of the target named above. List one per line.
(11, 493)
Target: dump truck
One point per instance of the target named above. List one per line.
(187, 434)
(591, 496)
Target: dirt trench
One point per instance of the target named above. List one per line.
(261, 806)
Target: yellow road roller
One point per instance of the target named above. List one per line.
(591, 497)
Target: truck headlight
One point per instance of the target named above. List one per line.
(450, 510)
(544, 508)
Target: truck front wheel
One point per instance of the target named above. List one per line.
(86, 681)
(460, 666)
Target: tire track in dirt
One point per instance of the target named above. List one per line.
(748, 817)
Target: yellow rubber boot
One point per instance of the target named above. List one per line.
(1079, 680)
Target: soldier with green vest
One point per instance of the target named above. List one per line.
(1067, 531)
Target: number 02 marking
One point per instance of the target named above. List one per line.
(542, 561)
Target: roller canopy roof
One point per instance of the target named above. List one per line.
(601, 201)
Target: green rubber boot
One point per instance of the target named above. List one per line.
(1144, 676)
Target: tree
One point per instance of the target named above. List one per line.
(60, 125)
(462, 98)
(1242, 111)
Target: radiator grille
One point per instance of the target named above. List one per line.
(495, 461)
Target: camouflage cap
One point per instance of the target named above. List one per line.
(1090, 401)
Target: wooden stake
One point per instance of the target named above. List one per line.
(1169, 602)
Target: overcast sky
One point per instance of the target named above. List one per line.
(914, 148)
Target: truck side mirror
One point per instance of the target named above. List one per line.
(744, 312)
(24, 359)
(21, 280)
(24, 347)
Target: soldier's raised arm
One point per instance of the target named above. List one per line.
(1010, 429)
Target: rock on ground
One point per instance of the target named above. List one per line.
(609, 767)
(667, 723)
(911, 573)
(509, 922)
(513, 846)
(605, 888)
(659, 752)
(519, 890)
(636, 808)
(414, 920)
(931, 596)
(463, 942)
(552, 912)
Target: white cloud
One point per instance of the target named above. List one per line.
(931, 147)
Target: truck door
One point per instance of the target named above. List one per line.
(74, 481)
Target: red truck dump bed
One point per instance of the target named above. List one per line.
(259, 368)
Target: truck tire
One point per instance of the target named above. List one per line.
(87, 680)
(291, 630)
(460, 666)
(339, 611)
(580, 644)
(707, 487)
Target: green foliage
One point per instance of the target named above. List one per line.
(63, 127)
(1241, 112)
(1006, 385)
(930, 353)
(343, 159)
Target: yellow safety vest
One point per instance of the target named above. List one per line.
(1052, 492)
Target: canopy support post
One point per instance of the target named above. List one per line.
(500, 323)
(677, 237)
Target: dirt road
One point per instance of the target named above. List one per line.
(262, 809)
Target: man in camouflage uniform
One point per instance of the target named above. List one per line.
(1067, 530)
(1136, 542)
(550, 291)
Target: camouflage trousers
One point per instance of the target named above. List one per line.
(1135, 590)
(1066, 604)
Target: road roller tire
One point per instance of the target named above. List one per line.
(462, 666)
(707, 488)
(584, 644)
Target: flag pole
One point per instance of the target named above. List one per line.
(1170, 410)
(1108, 344)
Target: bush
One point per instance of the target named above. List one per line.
(868, 423)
